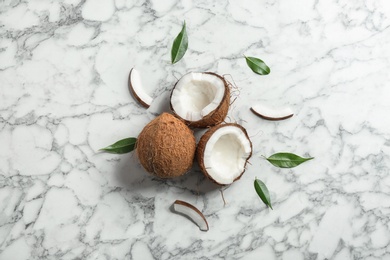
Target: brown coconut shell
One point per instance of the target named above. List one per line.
(215, 117)
(202, 146)
(166, 147)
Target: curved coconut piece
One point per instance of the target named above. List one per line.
(166, 147)
(191, 212)
(201, 99)
(137, 89)
(271, 113)
(223, 152)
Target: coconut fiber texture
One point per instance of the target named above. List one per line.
(166, 147)
(215, 117)
(202, 146)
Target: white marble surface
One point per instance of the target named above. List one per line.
(63, 95)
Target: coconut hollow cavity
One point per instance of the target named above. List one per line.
(166, 147)
(201, 99)
(223, 152)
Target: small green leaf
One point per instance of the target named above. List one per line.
(257, 66)
(180, 45)
(287, 160)
(263, 192)
(122, 146)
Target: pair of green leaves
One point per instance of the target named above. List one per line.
(180, 45)
(281, 160)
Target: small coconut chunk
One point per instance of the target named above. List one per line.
(270, 113)
(137, 89)
(191, 212)
(226, 153)
(196, 95)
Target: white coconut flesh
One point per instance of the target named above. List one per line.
(226, 153)
(272, 113)
(191, 212)
(196, 95)
(138, 88)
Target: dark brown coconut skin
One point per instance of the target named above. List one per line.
(202, 145)
(215, 117)
(166, 147)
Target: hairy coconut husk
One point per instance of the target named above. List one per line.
(166, 147)
(202, 146)
(215, 117)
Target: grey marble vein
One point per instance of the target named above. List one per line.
(63, 95)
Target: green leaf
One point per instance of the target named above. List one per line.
(263, 192)
(257, 66)
(122, 146)
(287, 160)
(180, 45)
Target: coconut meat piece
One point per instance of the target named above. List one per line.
(272, 113)
(191, 212)
(226, 153)
(196, 95)
(138, 88)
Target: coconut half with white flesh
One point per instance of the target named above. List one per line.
(223, 152)
(137, 89)
(201, 99)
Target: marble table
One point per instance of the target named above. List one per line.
(63, 95)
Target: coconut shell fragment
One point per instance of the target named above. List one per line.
(272, 114)
(201, 99)
(137, 90)
(166, 147)
(192, 213)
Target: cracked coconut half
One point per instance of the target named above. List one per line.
(223, 152)
(201, 99)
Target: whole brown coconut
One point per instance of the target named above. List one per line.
(217, 115)
(166, 147)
